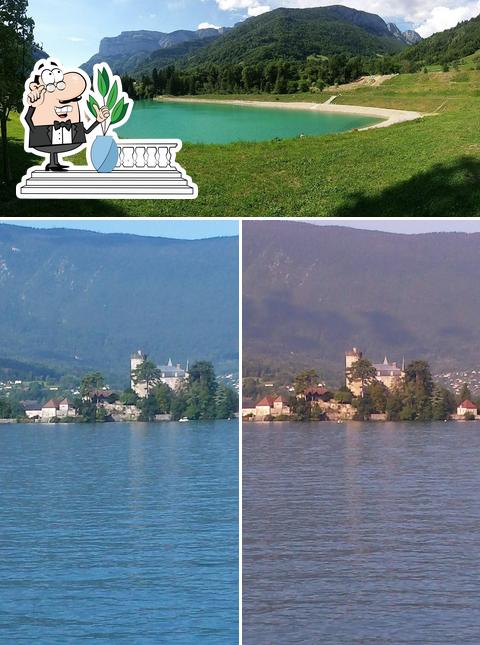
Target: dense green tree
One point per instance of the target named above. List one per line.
(179, 405)
(378, 394)
(363, 371)
(443, 403)
(149, 408)
(301, 409)
(464, 393)
(91, 382)
(304, 380)
(164, 396)
(226, 402)
(200, 391)
(10, 409)
(394, 404)
(129, 397)
(363, 407)
(16, 47)
(343, 395)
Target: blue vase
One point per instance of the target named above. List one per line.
(104, 153)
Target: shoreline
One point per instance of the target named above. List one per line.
(390, 116)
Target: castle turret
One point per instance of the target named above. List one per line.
(136, 359)
(352, 357)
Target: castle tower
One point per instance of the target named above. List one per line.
(352, 357)
(136, 359)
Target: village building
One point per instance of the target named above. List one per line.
(467, 407)
(273, 406)
(387, 373)
(172, 375)
(33, 409)
(314, 394)
(248, 407)
(56, 408)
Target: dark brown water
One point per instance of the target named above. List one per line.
(361, 534)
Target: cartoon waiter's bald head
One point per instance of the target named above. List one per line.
(52, 116)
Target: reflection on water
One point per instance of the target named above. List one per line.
(361, 534)
(119, 533)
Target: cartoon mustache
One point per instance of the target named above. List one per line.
(75, 100)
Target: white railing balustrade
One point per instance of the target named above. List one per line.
(132, 177)
(147, 155)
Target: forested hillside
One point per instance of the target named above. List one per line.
(313, 292)
(75, 300)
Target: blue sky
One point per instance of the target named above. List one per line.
(71, 31)
(76, 35)
(180, 229)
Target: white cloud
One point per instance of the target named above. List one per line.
(207, 25)
(258, 9)
(442, 18)
(426, 16)
(75, 39)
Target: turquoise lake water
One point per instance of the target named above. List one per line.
(361, 534)
(119, 533)
(210, 123)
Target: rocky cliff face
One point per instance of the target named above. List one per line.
(134, 42)
(123, 52)
(409, 37)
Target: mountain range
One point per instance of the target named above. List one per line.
(77, 300)
(291, 34)
(312, 292)
(131, 49)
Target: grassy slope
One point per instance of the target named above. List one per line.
(429, 167)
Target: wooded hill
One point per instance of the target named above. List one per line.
(313, 292)
(78, 300)
(446, 46)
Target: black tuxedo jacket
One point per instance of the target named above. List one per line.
(41, 135)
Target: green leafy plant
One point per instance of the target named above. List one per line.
(107, 89)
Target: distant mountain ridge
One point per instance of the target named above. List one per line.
(131, 48)
(290, 34)
(409, 37)
(312, 292)
(79, 300)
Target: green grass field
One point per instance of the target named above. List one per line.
(429, 167)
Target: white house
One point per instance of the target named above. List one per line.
(467, 407)
(56, 408)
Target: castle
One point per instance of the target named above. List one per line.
(172, 375)
(387, 373)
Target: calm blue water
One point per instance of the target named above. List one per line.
(361, 534)
(119, 533)
(213, 123)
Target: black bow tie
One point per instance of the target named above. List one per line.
(62, 124)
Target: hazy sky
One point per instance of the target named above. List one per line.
(71, 31)
(180, 229)
(470, 225)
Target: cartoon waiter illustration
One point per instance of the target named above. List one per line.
(52, 116)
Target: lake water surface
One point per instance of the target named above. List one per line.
(361, 534)
(211, 123)
(119, 533)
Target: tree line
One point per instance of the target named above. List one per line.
(200, 397)
(416, 397)
(271, 76)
